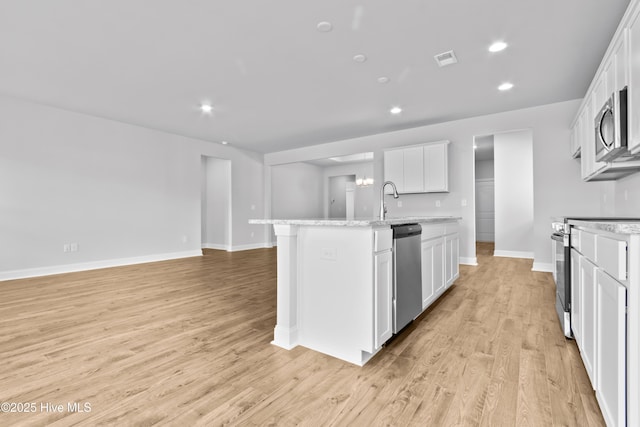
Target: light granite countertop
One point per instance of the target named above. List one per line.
(359, 222)
(620, 226)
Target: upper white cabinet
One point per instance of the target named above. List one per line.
(418, 168)
(633, 112)
(619, 66)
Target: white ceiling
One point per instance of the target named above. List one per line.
(277, 83)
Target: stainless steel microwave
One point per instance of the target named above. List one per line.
(611, 128)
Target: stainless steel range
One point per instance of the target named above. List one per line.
(562, 273)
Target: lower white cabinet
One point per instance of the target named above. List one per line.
(452, 258)
(432, 270)
(576, 298)
(383, 295)
(611, 330)
(440, 260)
(588, 296)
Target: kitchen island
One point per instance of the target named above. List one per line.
(335, 280)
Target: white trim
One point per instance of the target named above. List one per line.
(217, 246)
(469, 260)
(249, 247)
(94, 265)
(545, 267)
(513, 254)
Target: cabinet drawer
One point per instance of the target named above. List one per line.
(430, 231)
(383, 240)
(575, 238)
(588, 244)
(611, 256)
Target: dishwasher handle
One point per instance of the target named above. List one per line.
(406, 230)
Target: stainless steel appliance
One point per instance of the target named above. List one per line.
(611, 129)
(562, 274)
(407, 275)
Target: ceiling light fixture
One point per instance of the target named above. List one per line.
(505, 86)
(324, 26)
(395, 110)
(224, 142)
(383, 80)
(206, 108)
(360, 58)
(497, 47)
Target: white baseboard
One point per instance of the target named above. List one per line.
(513, 254)
(469, 260)
(216, 246)
(94, 265)
(545, 267)
(237, 247)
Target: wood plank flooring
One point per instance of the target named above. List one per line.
(187, 342)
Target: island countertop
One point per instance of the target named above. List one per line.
(358, 222)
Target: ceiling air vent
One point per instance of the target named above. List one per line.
(446, 58)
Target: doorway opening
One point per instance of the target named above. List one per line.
(342, 196)
(215, 219)
(504, 192)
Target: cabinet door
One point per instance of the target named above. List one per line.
(452, 258)
(432, 270)
(633, 110)
(620, 60)
(588, 148)
(413, 170)
(383, 319)
(611, 343)
(394, 169)
(588, 348)
(574, 144)
(436, 177)
(576, 298)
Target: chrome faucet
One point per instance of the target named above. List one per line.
(383, 208)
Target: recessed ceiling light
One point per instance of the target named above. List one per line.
(383, 80)
(395, 110)
(505, 86)
(224, 142)
(360, 58)
(497, 47)
(206, 108)
(324, 26)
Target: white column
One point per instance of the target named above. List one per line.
(285, 334)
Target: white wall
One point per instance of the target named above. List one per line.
(364, 202)
(627, 196)
(124, 193)
(216, 202)
(484, 169)
(558, 188)
(513, 156)
(297, 191)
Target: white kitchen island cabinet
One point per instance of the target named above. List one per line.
(335, 284)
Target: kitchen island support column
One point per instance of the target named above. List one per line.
(285, 334)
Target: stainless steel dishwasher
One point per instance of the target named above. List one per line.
(407, 274)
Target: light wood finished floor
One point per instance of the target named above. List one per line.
(186, 342)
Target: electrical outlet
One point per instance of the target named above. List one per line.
(74, 247)
(464, 202)
(399, 203)
(66, 247)
(252, 233)
(253, 207)
(437, 203)
(185, 239)
(626, 195)
(330, 254)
